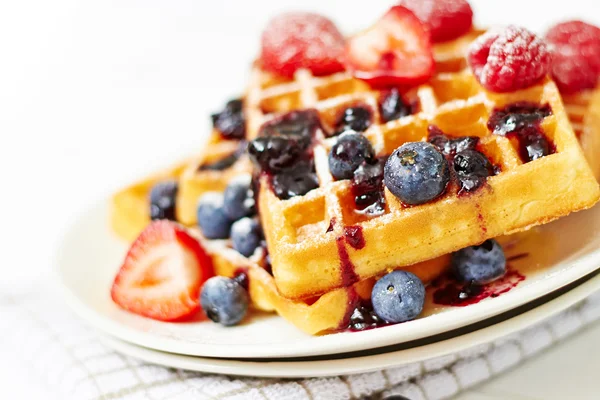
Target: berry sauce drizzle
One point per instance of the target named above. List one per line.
(449, 292)
(349, 276)
(469, 166)
(367, 189)
(354, 236)
(521, 122)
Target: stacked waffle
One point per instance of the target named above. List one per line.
(329, 240)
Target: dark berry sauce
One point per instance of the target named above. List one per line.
(349, 276)
(449, 292)
(521, 122)
(470, 168)
(331, 225)
(363, 318)
(367, 189)
(225, 162)
(392, 106)
(354, 236)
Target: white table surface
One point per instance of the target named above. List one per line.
(96, 93)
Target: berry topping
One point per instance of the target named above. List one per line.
(238, 198)
(350, 151)
(162, 200)
(284, 140)
(212, 219)
(445, 19)
(289, 184)
(517, 116)
(576, 55)
(393, 106)
(395, 51)
(224, 300)
(364, 318)
(367, 188)
(300, 125)
(230, 122)
(472, 169)
(398, 297)
(534, 146)
(246, 235)
(508, 60)
(479, 264)
(356, 119)
(162, 273)
(521, 122)
(275, 153)
(451, 146)
(416, 173)
(297, 40)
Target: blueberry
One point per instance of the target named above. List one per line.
(472, 169)
(348, 153)
(212, 220)
(416, 173)
(224, 300)
(355, 119)
(274, 153)
(246, 235)
(294, 183)
(398, 296)
(162, 200)
(238, 198)
(479, 264)
(230, 122)
(393, 107)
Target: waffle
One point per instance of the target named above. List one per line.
(584, 112)
(329, 312)
(309, 258)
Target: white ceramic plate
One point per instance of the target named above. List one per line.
(90, 255)
(365, 363)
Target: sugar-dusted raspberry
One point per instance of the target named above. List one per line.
(510, 59)
(446, 19)
(576, 55)
(297, 40)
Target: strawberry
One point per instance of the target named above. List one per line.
(163, 273)
(297, 40)
(395, 51)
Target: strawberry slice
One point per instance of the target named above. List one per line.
(396, 51)
(162, 273)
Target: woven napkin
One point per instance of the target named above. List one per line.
(69, 356)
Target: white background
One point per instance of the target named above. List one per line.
(96, 93)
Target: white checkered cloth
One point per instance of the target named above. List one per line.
(52, 343)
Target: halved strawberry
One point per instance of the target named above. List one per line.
(396, 51)
(162, 273)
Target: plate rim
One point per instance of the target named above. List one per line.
(366, 363)
(385, 336)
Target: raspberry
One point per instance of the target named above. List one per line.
(507, 60)
(302, 40)
(446, 19)
(576, 55)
